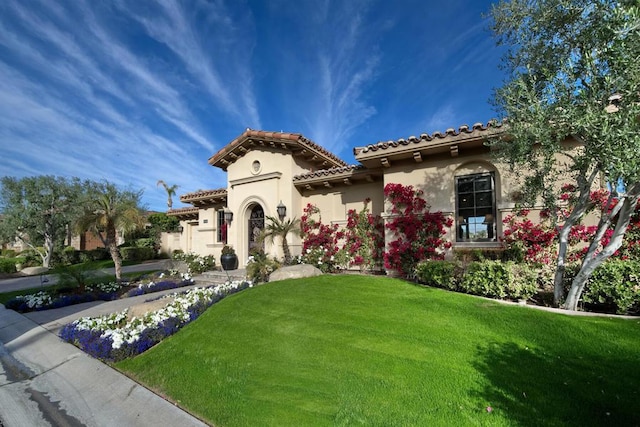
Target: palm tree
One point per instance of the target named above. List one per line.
(109, 212)
(280, 228)
(171, 191)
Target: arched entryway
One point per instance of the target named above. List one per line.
(256, 225)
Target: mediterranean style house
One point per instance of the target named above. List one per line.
(272, 173)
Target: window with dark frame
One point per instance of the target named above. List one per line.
(475, 208)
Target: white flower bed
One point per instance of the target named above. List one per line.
(37, 300)
(119, 331)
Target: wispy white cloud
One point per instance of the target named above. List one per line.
(136, 91)
(174, 24)
(440, 120)
(345, 62)
(65, 111)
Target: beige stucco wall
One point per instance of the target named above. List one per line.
(271, 184)
(169, 242)
(334, 204)
(436, 178)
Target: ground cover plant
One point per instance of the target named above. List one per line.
(103, 288)
(379, 351)
(117, 336)
(6, 296)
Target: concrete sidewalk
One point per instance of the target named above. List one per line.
(46, 381)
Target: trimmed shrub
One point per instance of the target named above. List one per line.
(8, 253)
(8, 266)
(472, 255)
(70, 255)
(146, 242)
(496, 279)
(136, 253)
(84, 256)
(616, 285)
(442, 274)
(31, 258)
(99, 254)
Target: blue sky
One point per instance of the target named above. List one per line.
(137, 91)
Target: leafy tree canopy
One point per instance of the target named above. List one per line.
(573, 70)
(39, 210)
(163, 222)
(110, 212)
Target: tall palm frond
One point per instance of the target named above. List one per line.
(109, 212)
(171, 191)
(276, 227)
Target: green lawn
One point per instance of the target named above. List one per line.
(344, 350)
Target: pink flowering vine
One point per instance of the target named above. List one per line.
(419, 233)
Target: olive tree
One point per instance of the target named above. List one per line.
(39, 211)
(573, 73)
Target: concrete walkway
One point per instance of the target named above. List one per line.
(45, 381)
(29, 282)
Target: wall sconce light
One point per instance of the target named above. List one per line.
(180, 229)
(282, 210)
(228, 215)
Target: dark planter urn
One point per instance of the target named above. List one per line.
(229, 261)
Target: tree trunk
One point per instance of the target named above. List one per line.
(558, 278)
(117, 260)
(591, 261)
(286, 251)
(111, 241)
(582, 205)
(48, 251)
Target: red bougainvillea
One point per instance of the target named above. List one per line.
(364, 238)
(329, 247)
(538, 241)
(418, 233)
(319, 241)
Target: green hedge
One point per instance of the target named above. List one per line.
(441, 274)
(32, 257)
(498, 279)
(494, 279)
(615, 284)
(8, 265)
(133, 253)
(70, 256)
(8, 253)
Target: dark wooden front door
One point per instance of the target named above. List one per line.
(256, 225)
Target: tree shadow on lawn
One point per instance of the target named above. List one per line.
(538, 387)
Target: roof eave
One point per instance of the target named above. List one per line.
(294, 142)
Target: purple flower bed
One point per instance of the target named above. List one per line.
(45, 301)
(113, 338)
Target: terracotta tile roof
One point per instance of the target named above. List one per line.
(294, 142)
(184, 213)
(450, 134)
(205, 197)
(339, 176)
(328, 172)
(203, 194)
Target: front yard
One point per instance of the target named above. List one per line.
(379, 351)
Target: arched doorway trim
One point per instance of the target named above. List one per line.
(246, 232)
